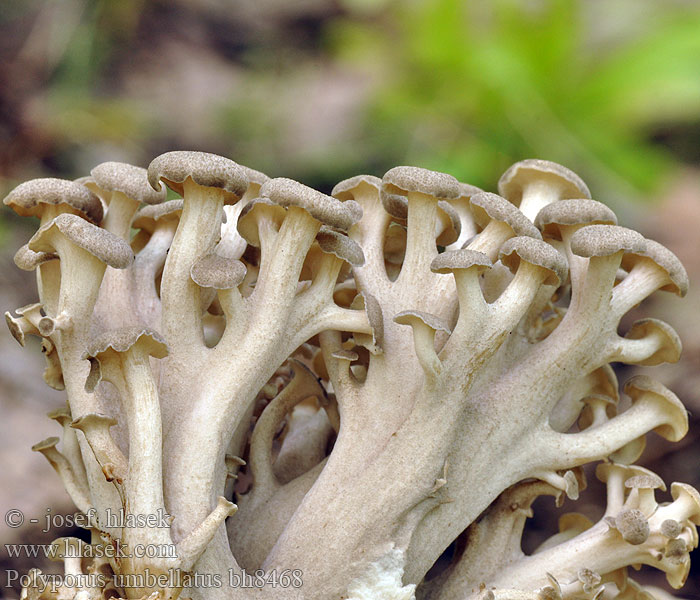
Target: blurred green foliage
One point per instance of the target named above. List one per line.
(462, 86)
(470, 87)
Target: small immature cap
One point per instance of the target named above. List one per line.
(487, 207)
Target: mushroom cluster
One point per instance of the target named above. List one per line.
(356, 396)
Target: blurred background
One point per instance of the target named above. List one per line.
(320, 90)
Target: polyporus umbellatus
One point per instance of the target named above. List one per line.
(369, 376)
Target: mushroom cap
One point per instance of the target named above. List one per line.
(454, 227)
(402, 180)
(207, 170)
(665, 259)
(641, 385)
(647, 480)
(488, 207)
(531, 170)
(633, 526)
(92, 419)
(536, 252)
(671, 528)
(130, 180)
(586, 417)
(327, 210)
(254, 210)
(670, 350)
(373, 310)
(604, 240)
(572, 212)
(410, 317)
(683, 489)
(47, 444)
(218, 272)
(109, 248)
(28, 199)
(28, 260)
(346, 189)
(452, 260)
(121, 340)
(148, 217)
(467, 190)
(395, 204)
(254, 177)
(341, 246)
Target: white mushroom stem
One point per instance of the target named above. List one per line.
(199, 229)
(370, 233)
(536, 195)
(645, 278)
(424, 343)
(71, 447)
(491, 238)
(232, 245)
(48, 280)
(81, 277)
(191, 547)
(472, 306)
(517, 297)
(302, 386)
(78, 494)
(96, 431)
(633, 351)
(120, 213)
(130, 372)
(421, 247)
(147, 264)
(568, 450)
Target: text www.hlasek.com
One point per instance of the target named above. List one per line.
(147, 579)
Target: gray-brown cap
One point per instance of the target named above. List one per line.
(525, 172)
(28, 260)
(452, 260)
(410, 317)
(121, 340)
(341, 246)
(605, 240)
(536, 252)
(487, 207)
(670, 344)
(327, 210)
(106, 246)
(252, 213)
(632, 525)
(640, 387)
(571, 213)
(677, 276)
(215, 271)
(452, 224)
(346, 189)
(402, 180)
(130, 180)
(148, 217)
(395, 204)
(207, 170)
(29, 199)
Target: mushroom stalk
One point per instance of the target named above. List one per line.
(198, 231)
